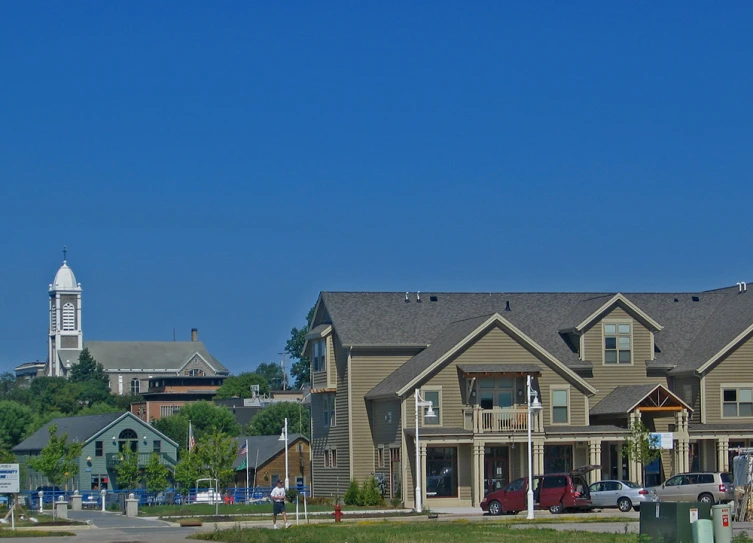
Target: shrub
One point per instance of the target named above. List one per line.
(321, 501)
(353, 496)
(371, 492)
(291, 495)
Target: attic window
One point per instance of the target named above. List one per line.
(433, 298)
(696, 299)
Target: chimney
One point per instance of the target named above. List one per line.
(194, 334)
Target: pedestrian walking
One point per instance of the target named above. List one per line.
(278, 503)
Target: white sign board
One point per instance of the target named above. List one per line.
(661, 440)
(10, 477)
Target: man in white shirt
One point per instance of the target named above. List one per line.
(278, 503)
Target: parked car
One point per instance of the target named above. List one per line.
(556, 492)
(624, 495)
(704, 487)
(208, 496)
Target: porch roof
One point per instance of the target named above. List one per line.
(703, 428)
(593, 429)
(500, 368)
(438, 432)
(626, 398)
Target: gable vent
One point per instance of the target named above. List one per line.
(696, 299)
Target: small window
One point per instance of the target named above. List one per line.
(325, 410)
(737, 402)
(617, 344)
(332, 410)
(674, 481)
(299, 448)
(380, 457)
(559, 406)
(135, 386)
(275, 478)
(196, 373)
(330, 458)
(99, 448)
(705, 478)
(432, 396)
(157, 446)
(518, 484)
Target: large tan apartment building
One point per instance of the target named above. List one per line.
(682, 363)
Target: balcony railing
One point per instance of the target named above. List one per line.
(499, 420)
(113, 459)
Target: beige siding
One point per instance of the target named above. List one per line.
(608, 376)
(689, 391)
(498, 347)
(737, 369)
(325, 379)
(332, 481)
(367, 370)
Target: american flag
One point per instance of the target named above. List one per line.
(242, 449)
(191, 438)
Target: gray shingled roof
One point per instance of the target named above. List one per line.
(499, 368)
(149, 355)
(592, 429)
(621, 399)
(430, 431)
(448, 338)
(79, 430)
(267, 447)
(693, 331)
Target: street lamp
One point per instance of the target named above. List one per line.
(532, 399)
(420, 402)
(284, 437)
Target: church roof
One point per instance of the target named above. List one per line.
(150, 355)
(64, 279)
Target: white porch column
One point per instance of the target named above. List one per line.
(722, 450)
(477, 474)
(594, 458)
(538, 457)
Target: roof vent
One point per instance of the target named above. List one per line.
(676, 300)
(406, 298)
(433, 298)
(418, 296)
(696, 299)
(742, 286)
(507, 306)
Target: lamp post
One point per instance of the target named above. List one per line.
(532, 399)
(420, 402)
(284, 437)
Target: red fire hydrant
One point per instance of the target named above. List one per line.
(338, 513)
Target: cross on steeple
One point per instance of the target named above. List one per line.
(65, 253)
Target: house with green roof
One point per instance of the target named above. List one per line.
(682, 363)
(104, 438)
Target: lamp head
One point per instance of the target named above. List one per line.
(535, 403)
(430, 414)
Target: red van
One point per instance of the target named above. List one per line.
(556, 492)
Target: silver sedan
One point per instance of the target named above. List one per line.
(623, 495)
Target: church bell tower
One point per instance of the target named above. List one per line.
(66, 339)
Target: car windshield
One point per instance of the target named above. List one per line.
(630, 484)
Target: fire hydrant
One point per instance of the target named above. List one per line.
(338, 513)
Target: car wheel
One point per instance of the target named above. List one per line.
(624, 504)
(706, 498)
(495, 508)
(636, 508)
(557, 509)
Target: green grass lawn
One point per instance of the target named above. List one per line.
(205, 509)
(400, 532)
(7, 532)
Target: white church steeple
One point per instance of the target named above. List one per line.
(66, 339)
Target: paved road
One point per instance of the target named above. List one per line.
(115, 520)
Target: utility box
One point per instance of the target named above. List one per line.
(722, 523)
(671, 521)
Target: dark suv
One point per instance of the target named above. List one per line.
(553, 491)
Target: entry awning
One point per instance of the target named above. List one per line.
(499, 369)
(626, 399)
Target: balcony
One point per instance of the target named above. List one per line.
(499, 420)
(165, 459)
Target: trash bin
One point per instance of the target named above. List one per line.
(703, 531)
(671, 521)
(722, 519)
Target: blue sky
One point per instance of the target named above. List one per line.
(216, 165)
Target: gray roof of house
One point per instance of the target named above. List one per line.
(592, 429)
(695, 325)
(621, 399)
(79, 430)
(703, 428)
(432, 431)
(267, 448)
(150, 355)
(448, 338)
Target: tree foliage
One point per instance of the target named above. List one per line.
(239, 386)
(301, 369)
(15, 421)
(187, 471)
(217, 452)
(272, 420)
(273, 373)
(127, 469)
(156, 474)
(638, 448)
(88, 369)
(58, 461)
(205, 417)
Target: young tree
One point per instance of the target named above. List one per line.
(272, 419)
(88, 370)
(156, 474)
(272, 372)
(239, 386)
(15, 421)
(638, 447)
(300, 370)
(217, 452)
(59, 460)
(204, 417)
(127, 469)
(187, 471)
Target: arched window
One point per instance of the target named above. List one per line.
(135, 386)
(128, 438)
(69, 317)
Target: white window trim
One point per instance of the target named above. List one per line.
(326, 411)
(566, 388)
(432, 388)
(617, 322)
(736, 386)
(69, 317)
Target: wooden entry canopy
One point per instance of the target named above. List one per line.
(644, 398)
(498, 370)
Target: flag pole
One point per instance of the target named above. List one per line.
(246, 470)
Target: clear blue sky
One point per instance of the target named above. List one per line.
(217, 164)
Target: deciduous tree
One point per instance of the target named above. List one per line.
(127, 469)
(239, 386)
(638, 447)
(156, 474)
(59, 460)
(272, 419)
(300, 370)
(273, 373)
(217, 452)
(204, 417)
(15, 421)
(87, 370)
